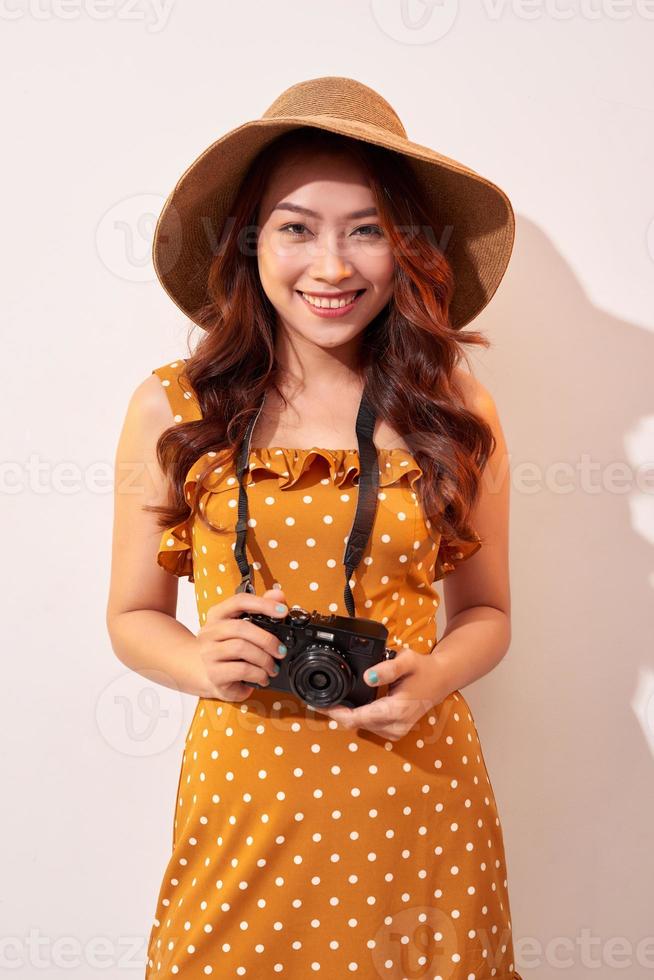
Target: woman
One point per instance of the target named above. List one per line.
(332, 268)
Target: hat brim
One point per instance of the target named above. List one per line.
(475, 220)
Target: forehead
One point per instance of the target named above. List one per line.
(332, 184)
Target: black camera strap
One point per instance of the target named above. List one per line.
(366, 500)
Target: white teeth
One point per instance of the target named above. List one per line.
(332, 304)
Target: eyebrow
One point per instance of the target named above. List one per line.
(289, 206)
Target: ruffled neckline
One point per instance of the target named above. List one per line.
(288, 464)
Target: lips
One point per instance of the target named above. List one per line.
(324, 302)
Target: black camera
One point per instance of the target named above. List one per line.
(327, 656)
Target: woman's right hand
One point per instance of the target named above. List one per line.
(234, 651)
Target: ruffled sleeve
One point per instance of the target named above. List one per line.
(452, 551)
(175, 552)
(179, 392)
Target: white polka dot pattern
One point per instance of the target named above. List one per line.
(300, 847)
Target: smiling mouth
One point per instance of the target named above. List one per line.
(339, 302)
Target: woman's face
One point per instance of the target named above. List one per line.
(319, 241)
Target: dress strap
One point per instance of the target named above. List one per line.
(181, 397)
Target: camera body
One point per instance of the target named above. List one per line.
(327, 656)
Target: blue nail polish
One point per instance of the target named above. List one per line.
(283, 649)
(280, 607)
(276, 668)
(372, 677)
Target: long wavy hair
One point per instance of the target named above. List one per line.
(408, 352)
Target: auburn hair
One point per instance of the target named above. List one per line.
(409, 351)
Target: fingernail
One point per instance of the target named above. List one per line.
(283, 649)
(280, 607)
(372, 677)
(276, 668)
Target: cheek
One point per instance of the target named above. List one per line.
(387, 269)
(378, 267)
(277, 269)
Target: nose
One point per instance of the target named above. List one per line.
(329, 264)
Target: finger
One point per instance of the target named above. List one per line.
(239, 648)
(277, 594)
(243, 629)
(235, 605)
(388, 671)
(242, 670)
(382, 711)
(359, 717)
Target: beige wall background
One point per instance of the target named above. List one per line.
(107, 105)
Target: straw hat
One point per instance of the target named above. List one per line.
(474, 217)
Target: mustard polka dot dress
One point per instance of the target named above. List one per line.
(300, 848)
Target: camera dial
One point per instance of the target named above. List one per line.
(299, 616)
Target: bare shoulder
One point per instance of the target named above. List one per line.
(136, 580)
(476, 396)
(148, 415)
(149, 406)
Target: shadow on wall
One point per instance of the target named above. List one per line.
(569, 754)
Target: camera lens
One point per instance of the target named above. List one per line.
(320, 676)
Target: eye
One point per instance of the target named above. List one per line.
(377, 231)
(294, 225)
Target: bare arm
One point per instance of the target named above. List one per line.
(145, 635)
(477, 594)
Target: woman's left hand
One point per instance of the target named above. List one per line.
(415, 687)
